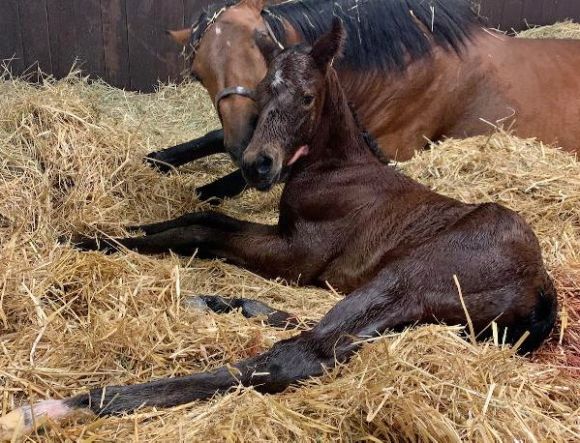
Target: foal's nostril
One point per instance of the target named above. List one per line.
(264, 164)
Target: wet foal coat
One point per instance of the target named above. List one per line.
(346, 218)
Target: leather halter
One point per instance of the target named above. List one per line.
(233, 90)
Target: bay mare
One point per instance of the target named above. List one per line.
(414, 70)
(345, 218)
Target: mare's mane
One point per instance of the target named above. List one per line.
(381, 34)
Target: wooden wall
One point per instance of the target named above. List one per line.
(518, 14)
(123, 41)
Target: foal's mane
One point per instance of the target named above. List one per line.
(382, 34)
(368, 138)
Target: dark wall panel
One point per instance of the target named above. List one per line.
(512, 13)
(568, 8)
(170, 14)
(11, 40)
(143, 39)
(192, 8)
(89, 28)
(35, 36)
(115, 42)
(62, 35)
(492, 10)
(533, 11)
(123, 41)
(550, 11)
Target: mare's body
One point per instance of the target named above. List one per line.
(346, 218)
(412, 78)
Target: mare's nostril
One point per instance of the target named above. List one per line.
(264, 164)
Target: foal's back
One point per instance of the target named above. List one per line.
(381, 224)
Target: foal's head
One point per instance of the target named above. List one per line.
(290, 99)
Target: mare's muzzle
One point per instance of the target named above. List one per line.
(236, 150)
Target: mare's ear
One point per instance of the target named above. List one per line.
(267, 46)
(256, 5)
(329, 46)
(181, 36)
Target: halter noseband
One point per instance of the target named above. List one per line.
(231, 90)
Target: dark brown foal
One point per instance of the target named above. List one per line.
(348, 219)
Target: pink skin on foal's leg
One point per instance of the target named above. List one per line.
(26, 418)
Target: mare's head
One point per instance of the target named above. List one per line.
(225, 56)
(291, 99)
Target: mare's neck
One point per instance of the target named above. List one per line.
(405, 109)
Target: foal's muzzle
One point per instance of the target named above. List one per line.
(261, 172)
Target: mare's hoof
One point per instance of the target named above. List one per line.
(207, 195)
(155, 160)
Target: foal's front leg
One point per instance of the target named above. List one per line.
(256, 247)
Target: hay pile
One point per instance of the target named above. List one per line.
(562, 30)
(70, 159)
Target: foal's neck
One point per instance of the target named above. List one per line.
(339, 136)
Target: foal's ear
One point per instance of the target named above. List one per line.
(267, 47)
(181, 36)
(329, 46)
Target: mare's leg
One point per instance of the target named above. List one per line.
(209, 144)
(248, 307)
(212, 143)
(370, 310)
(258, 248)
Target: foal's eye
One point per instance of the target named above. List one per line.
(308, 100)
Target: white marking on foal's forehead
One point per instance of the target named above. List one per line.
(278, 79)
(218, 30)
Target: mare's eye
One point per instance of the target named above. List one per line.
(308, 100)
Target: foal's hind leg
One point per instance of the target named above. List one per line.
(248, 307)
(367, 311)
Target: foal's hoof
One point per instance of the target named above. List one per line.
(13, 425)
(27, 418)
(195, 303)
(155, 160)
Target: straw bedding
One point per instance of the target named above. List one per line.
(70, 160)
(563, 30)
